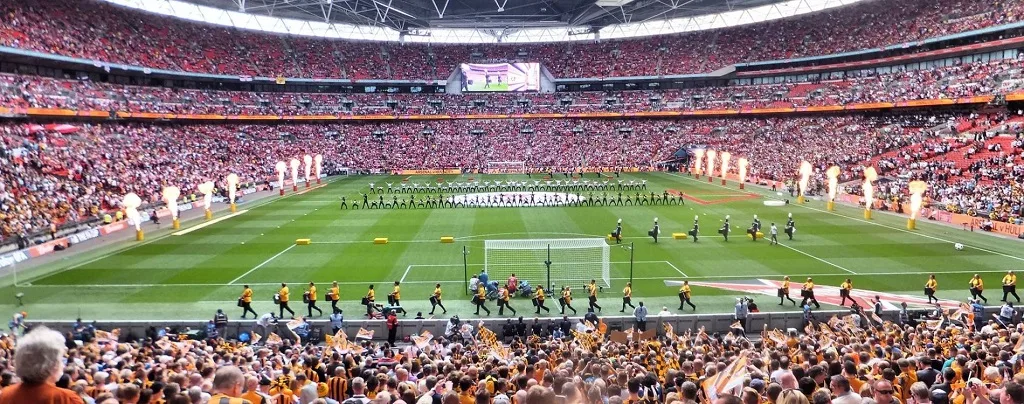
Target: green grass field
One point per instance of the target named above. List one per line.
(480, 85)
(189, 276)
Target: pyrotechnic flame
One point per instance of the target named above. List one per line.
(917, 189)
(232, 181)
(206, 189)
(171, 195)
(724, 158)
(295, 170)
(319, 161)
(833, 181)
(281, 168)
(711, 162)
(869, 190)
(307, 162)
(699, 154)
(742, 163)
(805, 176)
(131, 204)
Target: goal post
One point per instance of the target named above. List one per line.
(506, 167)
(549, 262)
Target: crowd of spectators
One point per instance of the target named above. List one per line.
(938, 357)
(977, 174)
(52, 177)
(106, 33)
(947, 82)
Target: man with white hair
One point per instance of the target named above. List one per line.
(38, 362)
(358, 394)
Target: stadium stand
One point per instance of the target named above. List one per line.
(952, 82)
(100, 31)
(856, 358)
(61, 173)
(72, 177)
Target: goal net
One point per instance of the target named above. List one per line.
(506, 167)
(574, 261)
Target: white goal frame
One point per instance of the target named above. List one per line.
(506, 167)
(574, 261)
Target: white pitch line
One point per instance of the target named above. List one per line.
(266, 200)
(209, 223)
(371, 241)
(261, 264)
(876, 224)
(405, 274)
(817, 258)
(698, 277)
(677, 269)
(530, 233)
(467, 240)
(917, 234)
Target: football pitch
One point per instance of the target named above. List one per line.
(189, 276)
(493, 86)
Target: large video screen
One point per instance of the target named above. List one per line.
(500, 77)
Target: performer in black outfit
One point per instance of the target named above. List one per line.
(655, 231)
(695, 231)
(724, 231)
(754, 228)
(618, 232)
(790, 227)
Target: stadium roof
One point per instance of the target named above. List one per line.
(481, 21)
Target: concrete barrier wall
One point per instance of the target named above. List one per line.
(712, 322)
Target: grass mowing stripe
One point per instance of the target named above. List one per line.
(875, 223)
(132, 246)
(431, 282)
(262, 264)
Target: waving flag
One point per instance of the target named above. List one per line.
(422, 340)
(728, 380)
(364, 334)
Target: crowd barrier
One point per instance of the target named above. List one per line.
(713, 323)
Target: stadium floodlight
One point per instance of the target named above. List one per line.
(549, 262)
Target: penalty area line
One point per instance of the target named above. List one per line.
(261, 264)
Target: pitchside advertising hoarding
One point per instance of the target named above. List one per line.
(500, 77)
